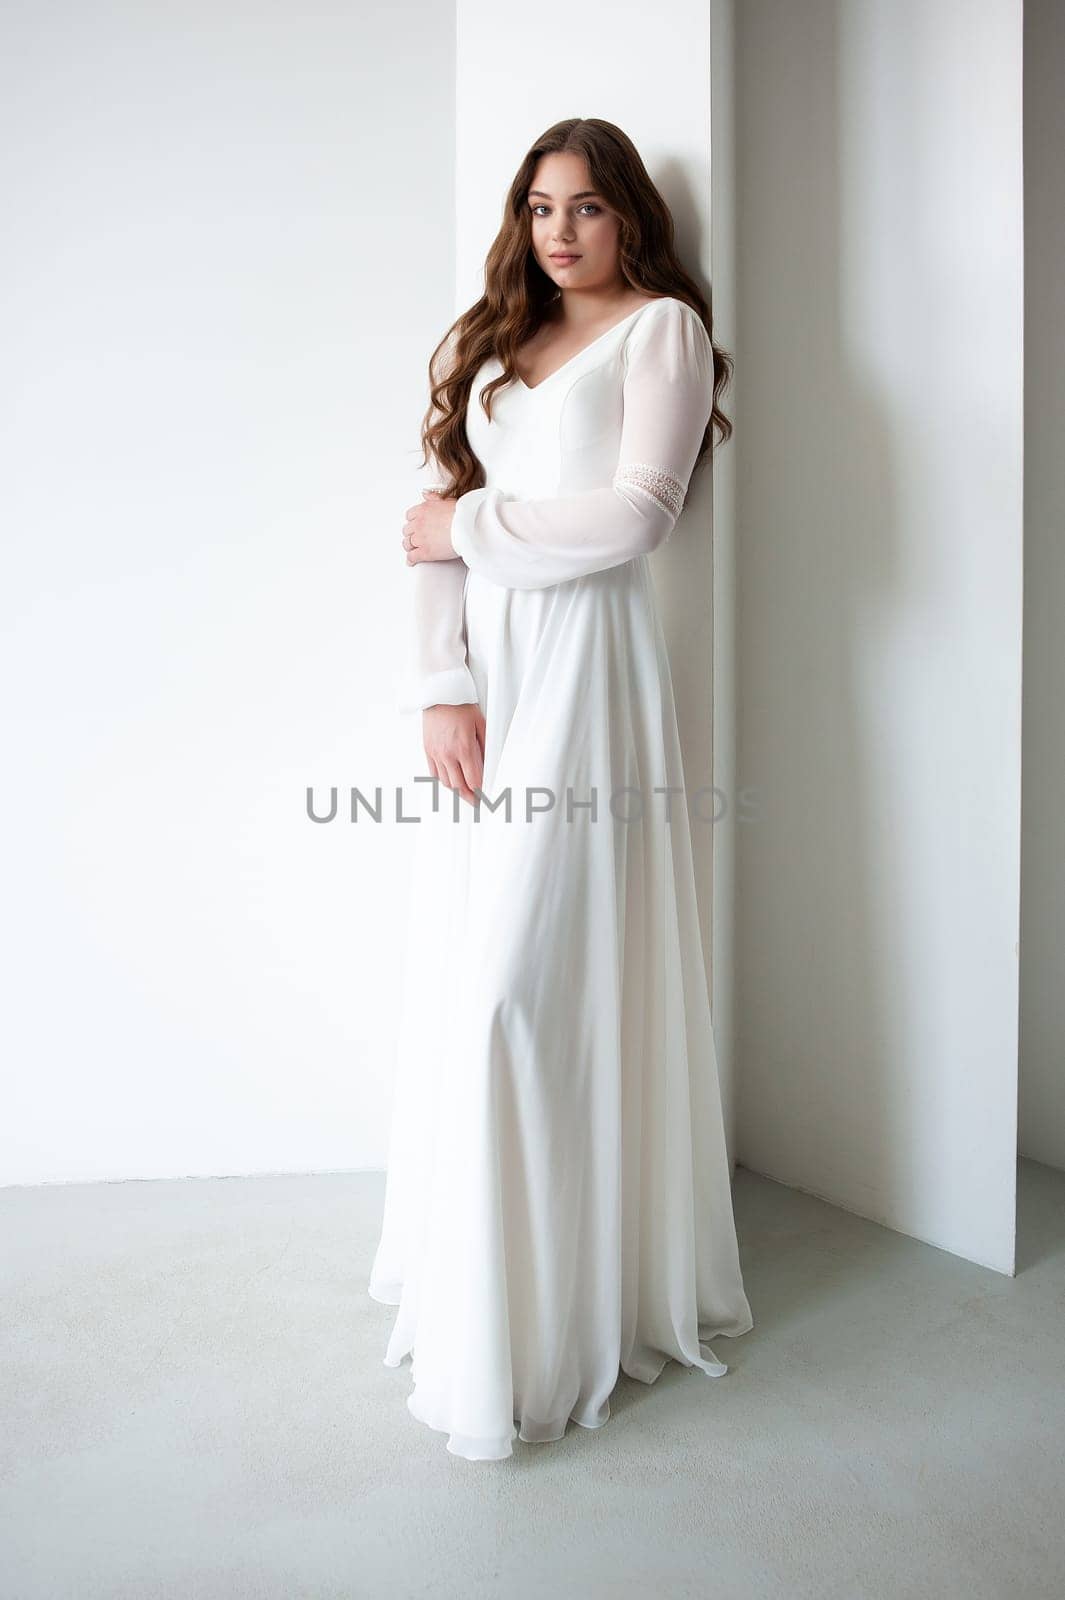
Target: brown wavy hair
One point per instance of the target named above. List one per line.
(518, 292)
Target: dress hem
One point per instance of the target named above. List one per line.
(473, 1447)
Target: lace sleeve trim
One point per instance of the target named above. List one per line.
(661, 487)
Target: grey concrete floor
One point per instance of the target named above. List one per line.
(195, 1406)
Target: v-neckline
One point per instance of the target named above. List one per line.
(535, 389)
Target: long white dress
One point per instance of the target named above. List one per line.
(558, 1205)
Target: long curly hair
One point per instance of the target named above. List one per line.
(518, 292)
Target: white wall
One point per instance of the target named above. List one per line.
(724, 200)
(514, 82)
(879, 617)
(227, 255)
(1042, 1092)
(231, 247)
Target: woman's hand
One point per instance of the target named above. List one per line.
(454, 746)
(427, 530)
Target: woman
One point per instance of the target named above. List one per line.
(558, 1206)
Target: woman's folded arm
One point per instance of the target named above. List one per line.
(668, 399)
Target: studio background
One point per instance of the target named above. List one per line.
(233, 240)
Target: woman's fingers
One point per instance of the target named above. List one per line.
(454, 747)
(473, 766)
(426, 530)
(457, 780)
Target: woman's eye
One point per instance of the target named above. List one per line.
(589, 205)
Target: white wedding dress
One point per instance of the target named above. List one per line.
(558, 1205)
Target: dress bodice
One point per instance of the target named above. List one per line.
(584, 472)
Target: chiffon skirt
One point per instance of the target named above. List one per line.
(558, 1206)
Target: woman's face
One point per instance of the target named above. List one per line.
(569, 217)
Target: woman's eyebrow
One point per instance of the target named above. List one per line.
(585, 194)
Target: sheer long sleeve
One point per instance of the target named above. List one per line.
(436, 671)
(668, 399)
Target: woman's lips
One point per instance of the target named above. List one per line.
(564, 261)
